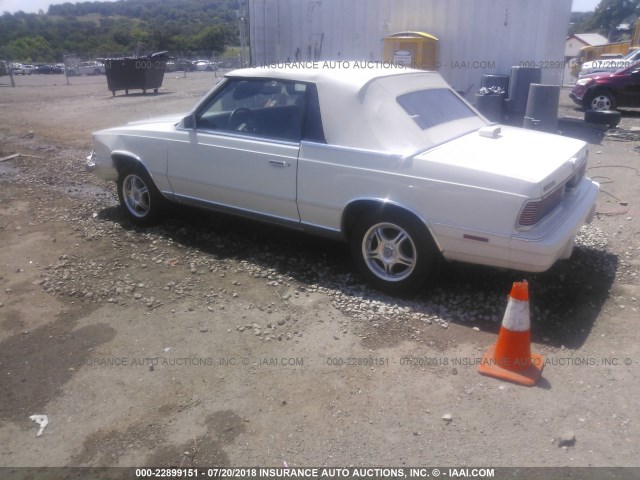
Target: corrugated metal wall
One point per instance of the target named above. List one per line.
(476, 36)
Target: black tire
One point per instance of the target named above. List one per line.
(603, 117)
(402, 254)
(139, 197)
(601, 100)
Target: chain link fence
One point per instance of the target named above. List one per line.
(80, 69)
(6, 76)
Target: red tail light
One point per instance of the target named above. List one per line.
(535, 210)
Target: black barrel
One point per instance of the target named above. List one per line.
(521, 78)
(542, 108)
(490, 106)
(491, 80)
(136, 73)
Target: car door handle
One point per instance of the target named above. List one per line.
(278, 163)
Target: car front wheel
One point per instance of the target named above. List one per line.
(393, 252)
(139, 197)
(602, 101)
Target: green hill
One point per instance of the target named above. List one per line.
(103, 29)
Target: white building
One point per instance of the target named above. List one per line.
(577, 41)
(573, 45)
(475, 36)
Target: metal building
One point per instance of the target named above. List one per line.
(475, 36)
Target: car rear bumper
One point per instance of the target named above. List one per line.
(532, 251)
(535, 253)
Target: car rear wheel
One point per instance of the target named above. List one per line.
(602, 100)
(139, 197)
(393, 251)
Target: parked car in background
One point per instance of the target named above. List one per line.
(224, 64)
(609, 64)
(391, 160)
(608, 91)
(202, 65)
(86, 68)
(180, 64)
(48, 69)
(21, 69)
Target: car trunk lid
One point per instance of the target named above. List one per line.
(514, 160)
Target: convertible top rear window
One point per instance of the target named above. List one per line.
(432, 107)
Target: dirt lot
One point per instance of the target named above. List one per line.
(212, 341)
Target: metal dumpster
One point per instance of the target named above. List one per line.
(136, 73)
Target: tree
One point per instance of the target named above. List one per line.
(577, 22)
(211, 39)
(32, 49)
(100, 28)
(611, 13)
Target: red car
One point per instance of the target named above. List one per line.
(607, 91)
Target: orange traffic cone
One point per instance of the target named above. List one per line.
(511, 358)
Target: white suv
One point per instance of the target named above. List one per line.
(86, 68)
(610, 64)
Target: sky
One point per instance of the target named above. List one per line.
(578, 5)
(32, 6)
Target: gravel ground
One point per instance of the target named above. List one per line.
(209, 340)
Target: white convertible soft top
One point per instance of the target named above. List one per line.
(359, 106)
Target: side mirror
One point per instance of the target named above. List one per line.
(189, 122)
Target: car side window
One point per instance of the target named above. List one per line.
(264, 108)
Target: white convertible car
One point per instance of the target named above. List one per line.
(391, 160)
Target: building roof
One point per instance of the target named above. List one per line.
(591, 39)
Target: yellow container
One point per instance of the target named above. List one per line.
(413, 49)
